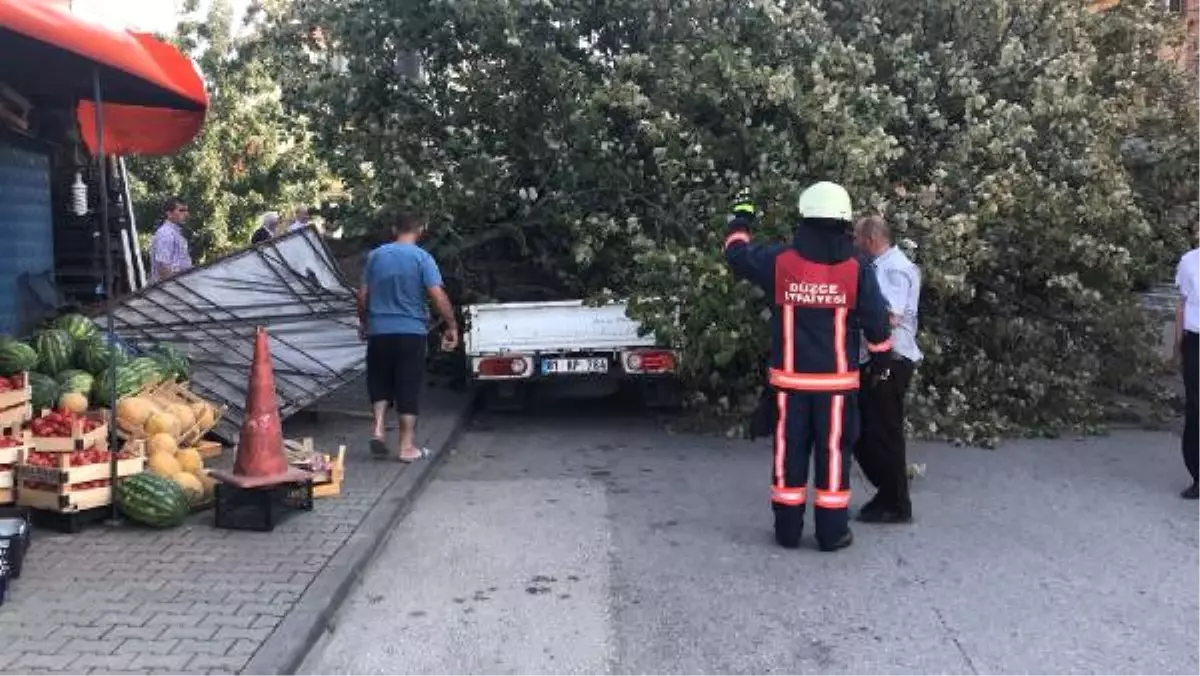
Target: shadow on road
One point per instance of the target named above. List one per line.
(548, 402)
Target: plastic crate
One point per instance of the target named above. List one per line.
(259, 509)
(16, 531)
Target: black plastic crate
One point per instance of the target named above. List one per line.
(70, 522)
(259, 509)
(13, 546)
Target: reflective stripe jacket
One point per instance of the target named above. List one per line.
(822, 297)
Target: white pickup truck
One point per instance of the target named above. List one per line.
(576, 348)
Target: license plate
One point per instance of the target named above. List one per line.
(556, 366)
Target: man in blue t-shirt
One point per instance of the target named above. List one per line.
(394, 320)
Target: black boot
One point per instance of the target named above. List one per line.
(871, 509)
(1191, 492)
(841, 543)
(789, 526)
(885, 515)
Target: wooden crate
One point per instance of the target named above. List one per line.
(11, 457)
(78, 441)
(16, 454)
(178, 393)
(324, 484)
(58, 492)
(15, 406)
(65, 476)
(72, 501)
(209, 449)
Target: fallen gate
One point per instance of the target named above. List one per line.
(292, 286)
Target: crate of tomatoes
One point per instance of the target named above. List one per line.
(12, 451)
(68, 467)
(15, 398)
(60, 431)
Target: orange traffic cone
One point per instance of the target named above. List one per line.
(260, 458)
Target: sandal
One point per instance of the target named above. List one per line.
(379, 449)
(422, 453)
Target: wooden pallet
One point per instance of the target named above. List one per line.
(15, 406)
(325, 485)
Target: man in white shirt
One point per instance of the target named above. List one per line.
(1187, 343)
(881, 450)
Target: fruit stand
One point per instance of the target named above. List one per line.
(60, 463)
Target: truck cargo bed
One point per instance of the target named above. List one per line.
(559, 326)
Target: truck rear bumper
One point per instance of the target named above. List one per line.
(629, 364)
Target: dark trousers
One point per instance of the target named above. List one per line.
(823, 427)
(396, 370)
(881, 450)
(1191, 435)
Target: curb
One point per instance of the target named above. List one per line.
(302, 628)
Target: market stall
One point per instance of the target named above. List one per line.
(129, 93)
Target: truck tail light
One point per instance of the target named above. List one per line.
(650, 361)
(503, 367)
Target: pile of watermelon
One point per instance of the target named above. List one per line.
(72, 356)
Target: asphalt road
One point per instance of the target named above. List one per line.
(576, 541)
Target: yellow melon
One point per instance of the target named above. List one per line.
(183, 415)
(133, 411)
(161, 443)
(163, 464)
(161, 423)
(191, 486)
(190, 460)
(73, 402)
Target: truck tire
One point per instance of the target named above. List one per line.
(506, 397)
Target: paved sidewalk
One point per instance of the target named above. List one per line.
(196, 599)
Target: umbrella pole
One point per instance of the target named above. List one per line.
(106, 237)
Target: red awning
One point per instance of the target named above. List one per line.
(154, 98)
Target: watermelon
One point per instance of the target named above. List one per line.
(16, 356)
(128, 382)
(44, 391)
(54, 348)
(172, 363)
(74, 380)
(95, 355)
(78, 327)
(152, 500)
(147, 368)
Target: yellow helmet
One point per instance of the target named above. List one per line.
(825, 200)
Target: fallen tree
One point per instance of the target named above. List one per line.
(1037, 161)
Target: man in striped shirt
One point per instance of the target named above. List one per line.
(169, 254)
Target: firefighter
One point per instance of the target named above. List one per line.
(822, 296)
